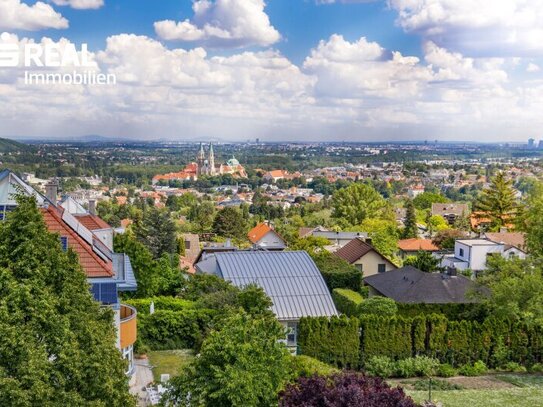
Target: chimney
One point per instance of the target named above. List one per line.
(92, 206)
(51, 191)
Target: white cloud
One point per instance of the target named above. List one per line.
(223, 23)
(344, 90)
(531, 68)
(15, 15)
(488, 28)
(80, 4)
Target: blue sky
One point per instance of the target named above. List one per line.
(283, 69)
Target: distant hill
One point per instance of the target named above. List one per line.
(8, 146)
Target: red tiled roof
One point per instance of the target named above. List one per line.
(412, 245)
(93, 265)
(258, 232)
(354, 250)
(92, 222)
(515, 239)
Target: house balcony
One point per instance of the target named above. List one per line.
(129, 328)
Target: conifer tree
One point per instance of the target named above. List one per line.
(410, 229)
(57, 345)
(497, 202)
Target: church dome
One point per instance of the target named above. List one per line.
(232, 162)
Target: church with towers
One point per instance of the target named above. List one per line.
(206, 166)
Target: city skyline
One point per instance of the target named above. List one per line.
(313, 70)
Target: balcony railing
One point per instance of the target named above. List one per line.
(129, 328)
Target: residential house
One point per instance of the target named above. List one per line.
(265, 237)
(410, 247)
(291, 280)
(450, 211)
(191, 244)
(336, 239)
(515, 239)
(108, 273)
(472, 254)
(410, 285)
(415, 191)
(365, 257)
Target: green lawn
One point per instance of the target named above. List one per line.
(517, 397)
(169, 361)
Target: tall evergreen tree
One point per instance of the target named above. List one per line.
(410, 230)
(57, 345)
(497, 202)
(229, 222)
(157, 231)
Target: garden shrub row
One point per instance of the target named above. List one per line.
(349, 279)
(347, 301)
(167, 329)
(143, 305)
(334, 340)
(495, 341)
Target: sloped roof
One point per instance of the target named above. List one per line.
(450, 208)
(412, 245)
(291, 279)
(259, 231)
(92, 263)
(354, 250)
(515, 239)
(410, 285)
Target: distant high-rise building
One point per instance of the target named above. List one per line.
(540, 146)
(257, 141)
(531, 143)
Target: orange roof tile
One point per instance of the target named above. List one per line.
(93, 265)
(258, 232)
(412, 245)
(92, 222)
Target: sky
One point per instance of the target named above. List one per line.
(281, 70)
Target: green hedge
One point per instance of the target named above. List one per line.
(335, 340)
(161, 303)
(450, 311)
(347, 301)
(343, 279)
(167, 329)
(494, 341)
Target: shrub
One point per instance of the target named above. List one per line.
(437, 384)
(343, 389)
(337, 272)
(334, 340)
(381, 306)
(536, 368)
(514, 367)
(306, 366)
(166, 329)
(381, 366)
(347, 301)
(417, 366)
(477, 369)
(446, 370)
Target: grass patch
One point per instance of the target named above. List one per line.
(169, 361)
(522, 380)
(518, 397)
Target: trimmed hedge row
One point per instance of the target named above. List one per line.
(450, 311)
(167, 329)
(143, 305)
(347, 301)
(494, 341)
(343, 279)
(334, 340)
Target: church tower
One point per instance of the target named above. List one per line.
(211, 160)
(200, 160)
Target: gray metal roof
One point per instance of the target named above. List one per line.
(291, 279)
